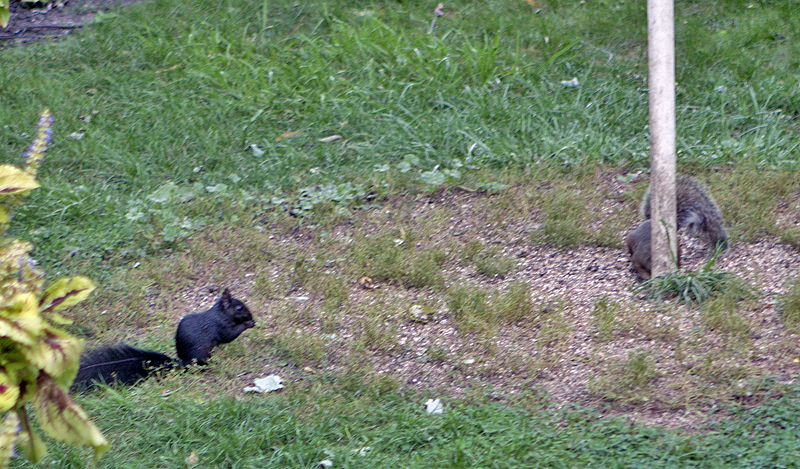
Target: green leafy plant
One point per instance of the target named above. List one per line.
(38, 359)
(689, 287)
(4, 13)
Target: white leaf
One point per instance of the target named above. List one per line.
(361, 451)
(256, 151)
(330, 138)
(268, 384)
(574, 83)
(434, 406)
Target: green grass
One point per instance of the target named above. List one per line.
(202, 133)
(295, 429)
(172, 96)
(791, 306)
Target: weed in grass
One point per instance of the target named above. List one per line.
(565, 218)
(395, 257)
(470, 251)
(553, 329)
(721, 314)
(790, 306)
(487, 260)
(303, 349)
(690, 287)
(470, 309)
(358, 379)
(377, 334)
(626, 379)
(437, 354)
(515, 304)
(329, 323)
(335, 292)
(425, 270)
(640, 368)
(606, 315)
(492, 264)
(303, 271)
(718, 369)
(757, 210)
(264, 285)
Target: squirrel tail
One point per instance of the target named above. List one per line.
(697, 211)
(118, 363)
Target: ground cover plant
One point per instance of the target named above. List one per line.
(412, 215)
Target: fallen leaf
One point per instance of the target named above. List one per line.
(256, 151)
(192, 459)
(330, 138)
(434, 406)
(168, 69)
(268, 384)
(366, 282)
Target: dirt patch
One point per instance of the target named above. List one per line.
(53, 20)
(582, 338)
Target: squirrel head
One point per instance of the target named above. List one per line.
(234, 308)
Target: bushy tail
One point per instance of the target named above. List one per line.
(697, 211)
(119, 363)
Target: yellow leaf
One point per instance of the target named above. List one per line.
(27, 384)
(20, 321)
(58, 354)
(4, 218)
(15, 181)
(29, 441)
(8, 436)
(66, 293)
(9, 389)
(63, 419)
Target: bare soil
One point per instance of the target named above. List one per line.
(37, 22)
(661, 364)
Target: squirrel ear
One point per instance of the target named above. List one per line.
(226, 298)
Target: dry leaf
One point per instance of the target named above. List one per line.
(192, 459)
(330, 138)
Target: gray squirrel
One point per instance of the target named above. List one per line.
(696, 210)
(197, 335)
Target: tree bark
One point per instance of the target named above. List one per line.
(661, 84)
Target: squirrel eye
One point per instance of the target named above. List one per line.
(239, 308)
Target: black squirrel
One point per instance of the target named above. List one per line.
(197, 334)
(696, 210)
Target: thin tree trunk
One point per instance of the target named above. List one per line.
(661, 82)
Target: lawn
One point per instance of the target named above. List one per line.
(413, 213)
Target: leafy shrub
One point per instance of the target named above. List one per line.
(38, 360)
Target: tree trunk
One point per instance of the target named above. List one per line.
(661, 83)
